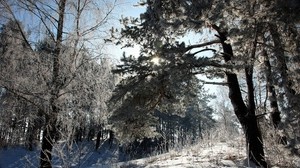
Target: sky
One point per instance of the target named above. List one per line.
(36, 30)
(128, 8)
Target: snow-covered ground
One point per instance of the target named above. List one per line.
(206, 155)
(201, 155)
(219, 154)
(83, 155)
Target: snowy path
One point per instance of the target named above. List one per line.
(217, 155)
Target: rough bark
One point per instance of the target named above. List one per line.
(292, 100)
(275, 113)
(279, 54)
(245, 115)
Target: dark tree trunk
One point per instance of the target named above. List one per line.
(200, 130)
(30, 136)
(111, 138)
(91, 134)
(99, 135)
(275, 113)
(34, 127)
(50, 130)
(279, 54)
(245, 115)
(49, 135)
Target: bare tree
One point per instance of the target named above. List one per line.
(52, 80)
(226, 118)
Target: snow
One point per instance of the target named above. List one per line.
(208, 155)
(81, 155)
(17, 157)
(214, 155)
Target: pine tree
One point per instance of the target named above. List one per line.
(240, 27)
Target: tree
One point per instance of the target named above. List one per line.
(137, 96)
(162, 115)
(14, 48)
(245, 114)
(225, 116)
(57, 72)
(244, 22)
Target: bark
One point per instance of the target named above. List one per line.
(279, 54)
(275, 113)
(286, 83)
(31, 133)
(99, 135)
(50, 131)
(48, 139)
(245, 115)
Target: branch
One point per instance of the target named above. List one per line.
(207, 49)
(19, 94)
(262, 115)
(214, 83)
(39, 14)
(101, 22)
(202, 45)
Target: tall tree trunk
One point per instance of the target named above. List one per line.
(246, 116)
(292, 99)
(275, 113)
(279, 55)
(50, 131)
(48, 139)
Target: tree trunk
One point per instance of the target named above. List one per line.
(275, 113)
(48, 139)
(246, 116)
(292, 100)
(31, 133)
(99, 135)
(285, 82)
(50, 131)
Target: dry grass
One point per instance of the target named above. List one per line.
(277, 154)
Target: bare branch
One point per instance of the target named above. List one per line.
(207, 49)
(97, 25)
(202, 45)
(214, 83)
(23, 96)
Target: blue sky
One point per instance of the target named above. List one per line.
(128, 8)
(37, 31)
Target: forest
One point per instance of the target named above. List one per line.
(202, 71)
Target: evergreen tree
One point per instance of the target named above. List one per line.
(240, 27)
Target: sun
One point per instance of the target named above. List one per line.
(155, 60)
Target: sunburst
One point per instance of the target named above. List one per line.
(156, 60)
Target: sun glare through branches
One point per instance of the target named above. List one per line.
(155, 60)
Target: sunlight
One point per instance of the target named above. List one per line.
(155, 60)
